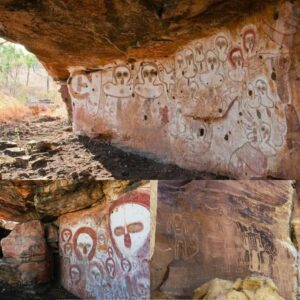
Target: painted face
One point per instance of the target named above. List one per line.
(96, 275)
(199, 52)
(179, 61)
(110, 267)
(122, 75)
(149, 73)
(221, 44)
(75, 274)
(66, 235)
(236, 58)
(249, 41)
(68, 249)
(261, 87)
(212, 61)
(84, 244)
(126, 266)
(189, 57)
(130, 226)
(102, 239)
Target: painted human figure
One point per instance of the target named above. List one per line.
(75, 274)
(102, 241)
(237, 62)
(176, 227)
(84, 241)
(68, 249)
(212, 79)
(249, 42)
(200, 57)
(66, 235)
(118, 92)
(129, 221)
(190, 69)
(222, 46)
(86, 87)
(150, 88)
(110, 264)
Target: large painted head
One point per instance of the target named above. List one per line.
(129, 222)
(85, 243)
(75, 274)
(235, 57)
(121, 75)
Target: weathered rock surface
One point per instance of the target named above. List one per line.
(105, 249)
(58, 32)
(224, 229)
(25, 249)
(21, 201)
(226, 103)
(250, 288)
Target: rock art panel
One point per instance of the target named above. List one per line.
(221, 101)
(223, 229)
(105, 249)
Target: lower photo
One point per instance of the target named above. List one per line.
(186, 239)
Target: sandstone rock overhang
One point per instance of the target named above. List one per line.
(92, 33)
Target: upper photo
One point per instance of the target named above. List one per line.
(149, 89)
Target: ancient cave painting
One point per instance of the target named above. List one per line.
(212, 79)
(237, 62)
(185, 242)
(262, 93)
(190, 69)
(150, 88)
(259, 248)
(68, 249)
(75, 274)
(110, 264)
(120, 87)
(249, 42)
(200, 57)
(251, 159)
(126, 265)
(129, 221)
(66, 235)
(87, 86)
(222, 45)
(84, 241)
(96, 273)
(102, 240)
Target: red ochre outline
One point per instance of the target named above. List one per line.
(134, 197)
(62, 234)
(92, 234)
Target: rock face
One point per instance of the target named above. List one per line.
(26, 200)
(105, 249)
(225, 103)
(251, 288)
(58, 31)
(224, 229)
(25, 250)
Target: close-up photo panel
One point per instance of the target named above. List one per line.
(150, 149)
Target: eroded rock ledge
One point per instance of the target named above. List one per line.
(92, 33)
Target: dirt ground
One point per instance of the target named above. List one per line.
(47, 149)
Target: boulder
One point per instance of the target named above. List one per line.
(26, 248)
(250, 288)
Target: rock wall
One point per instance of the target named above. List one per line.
(224, 103)
(223, 229)
(105, 249)
(26, 258)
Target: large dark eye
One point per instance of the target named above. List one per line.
(135, 227)
(145, 73)
(119, 231)
(153, 72)
(119, 74)
(125, 74)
